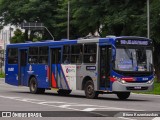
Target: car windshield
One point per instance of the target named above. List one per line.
(133, 59)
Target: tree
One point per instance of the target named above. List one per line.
(155, 30)
(15, 12)
(107, 17)
(61, 19)
(18, 37)
(88, 15)
(125, 17)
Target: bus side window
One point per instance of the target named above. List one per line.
(12, 56)
(66, 54)
(43, 55)
(33, 55)
(76, 53)
(90, 51)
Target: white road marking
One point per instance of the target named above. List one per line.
(35, 102)
(93, 109)
(9, 97)
(69, 105)
(156, 118)
(28, 100)
(126, 118)
(89, 109)
(50, 102)
(66, 104)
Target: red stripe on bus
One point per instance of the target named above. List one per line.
(112, 79)
(128, 79)
(53, 81)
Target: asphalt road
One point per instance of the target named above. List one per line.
(75, 106)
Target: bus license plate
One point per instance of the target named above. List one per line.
(137, 88)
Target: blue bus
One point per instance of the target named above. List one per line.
(116, 65)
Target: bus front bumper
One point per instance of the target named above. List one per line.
(128, 87)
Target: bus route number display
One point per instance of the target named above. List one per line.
(133, 42)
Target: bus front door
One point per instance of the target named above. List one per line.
(105, 59)
(22, 66)
(55, 62)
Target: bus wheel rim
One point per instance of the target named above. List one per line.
(90, 90)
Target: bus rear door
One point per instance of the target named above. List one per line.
(22, 64)
(55, 61)
(105, 61)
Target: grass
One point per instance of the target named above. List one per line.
(2, 75)
(155, 91)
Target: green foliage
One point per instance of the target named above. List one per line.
(17, 11)
(88, 15)
(155, 91)
(107, 17)
(125, 18)
(2, 75)
(155, 20)
(60, 24)
(18, 37)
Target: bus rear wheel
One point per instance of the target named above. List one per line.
(89, 90)
(123, 95)
(64, 92)
(33, 86)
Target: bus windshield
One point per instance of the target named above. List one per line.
(133, 59)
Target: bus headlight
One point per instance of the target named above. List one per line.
(150, 81)
(121, 81)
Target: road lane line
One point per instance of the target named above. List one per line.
(156, 118)
(127, 118)
(9, 97)
(92, 109)
(21, 99)
(50, 102)
(66, 105)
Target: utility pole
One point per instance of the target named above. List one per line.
(148, 20)
(68, 20)
(10, 33)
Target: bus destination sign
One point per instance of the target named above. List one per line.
(133, 42)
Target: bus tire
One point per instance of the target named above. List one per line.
(33, 86)
(123, 95)
(64, 92)
(89, 90)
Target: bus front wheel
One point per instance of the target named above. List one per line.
(123, 95)
(89, 90)
(33, 86)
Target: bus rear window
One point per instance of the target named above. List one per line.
(12, 56)
(43, 55)
(76, 53)
(38, 55)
